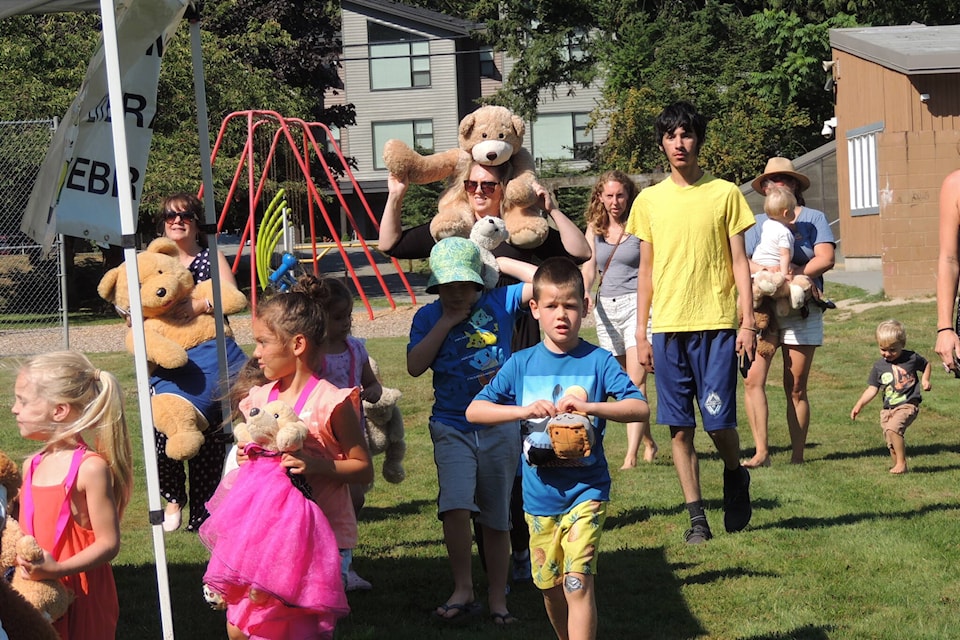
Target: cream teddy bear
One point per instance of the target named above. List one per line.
(384, 429)
(487, 233)
(274, 426)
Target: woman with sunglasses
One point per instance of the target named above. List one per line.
(801, 332)
(482, 187)
(179, 220)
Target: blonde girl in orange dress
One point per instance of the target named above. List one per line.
(74, 493)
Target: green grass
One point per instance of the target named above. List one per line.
(838, 548)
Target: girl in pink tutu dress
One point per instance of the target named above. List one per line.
(288, 331)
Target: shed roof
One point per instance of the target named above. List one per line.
(910, 49)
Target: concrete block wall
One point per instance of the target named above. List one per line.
(912, 166)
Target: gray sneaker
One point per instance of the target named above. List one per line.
(697, 534)
(736, 499)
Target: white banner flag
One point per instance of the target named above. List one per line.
(76, 190)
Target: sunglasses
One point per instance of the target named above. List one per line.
(487, 188)
(170, 215)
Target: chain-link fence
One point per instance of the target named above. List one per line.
(32, 315)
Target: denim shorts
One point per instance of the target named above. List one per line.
(797, 330)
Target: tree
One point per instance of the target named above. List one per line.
(550, 41)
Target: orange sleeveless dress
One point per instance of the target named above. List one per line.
(45, 514)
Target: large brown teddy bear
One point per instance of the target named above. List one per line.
(490, 136)
(183, 393)
(22, 603)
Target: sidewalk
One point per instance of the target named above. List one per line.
(869, 281)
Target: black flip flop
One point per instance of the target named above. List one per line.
(464, 611)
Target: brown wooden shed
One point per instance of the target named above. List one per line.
(898, 134)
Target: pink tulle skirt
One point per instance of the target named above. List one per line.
(273, 555)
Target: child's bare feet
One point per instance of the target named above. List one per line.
(629, 462)
(650, 452)
(898, 469)
(757, 461)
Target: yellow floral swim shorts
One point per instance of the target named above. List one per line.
(566, 543)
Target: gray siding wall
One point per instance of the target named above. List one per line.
(437, 102)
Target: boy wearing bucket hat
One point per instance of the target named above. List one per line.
(464, 337)
(694, 269)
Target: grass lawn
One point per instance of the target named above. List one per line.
(838, 548)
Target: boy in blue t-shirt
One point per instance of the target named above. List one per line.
(464, 337)
(901, 374)
(564, 498)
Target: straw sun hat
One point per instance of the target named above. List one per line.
(781, 166)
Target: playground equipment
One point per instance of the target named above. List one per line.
(265, 236)
(283, 278)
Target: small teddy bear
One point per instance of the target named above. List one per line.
(384, 429)
(488, 233)
(275, 427)
(385, 433)
(50, 598)
(768, 329)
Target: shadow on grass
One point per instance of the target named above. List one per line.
(413, 507)
(140, 609)
(934, 469)
(921, 450)
(853, 518)
(708, 577)
(806, 632)
(406, 590)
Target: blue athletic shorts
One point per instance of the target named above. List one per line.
(696, 366)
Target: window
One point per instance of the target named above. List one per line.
(488, 66)
(574, 49)
(398, 59)
(333, 139)
(562, 136)
(862, 161)
(416, 133)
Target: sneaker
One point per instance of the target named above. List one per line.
(172, 519)
(697, 534)
(356, 583)
(521, 568)
(736, 499)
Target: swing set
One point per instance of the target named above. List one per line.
(274, 223)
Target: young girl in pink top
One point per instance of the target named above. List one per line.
(346, 364)
(73, 496)
(288, 330)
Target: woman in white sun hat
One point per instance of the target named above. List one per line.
(802, 331)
